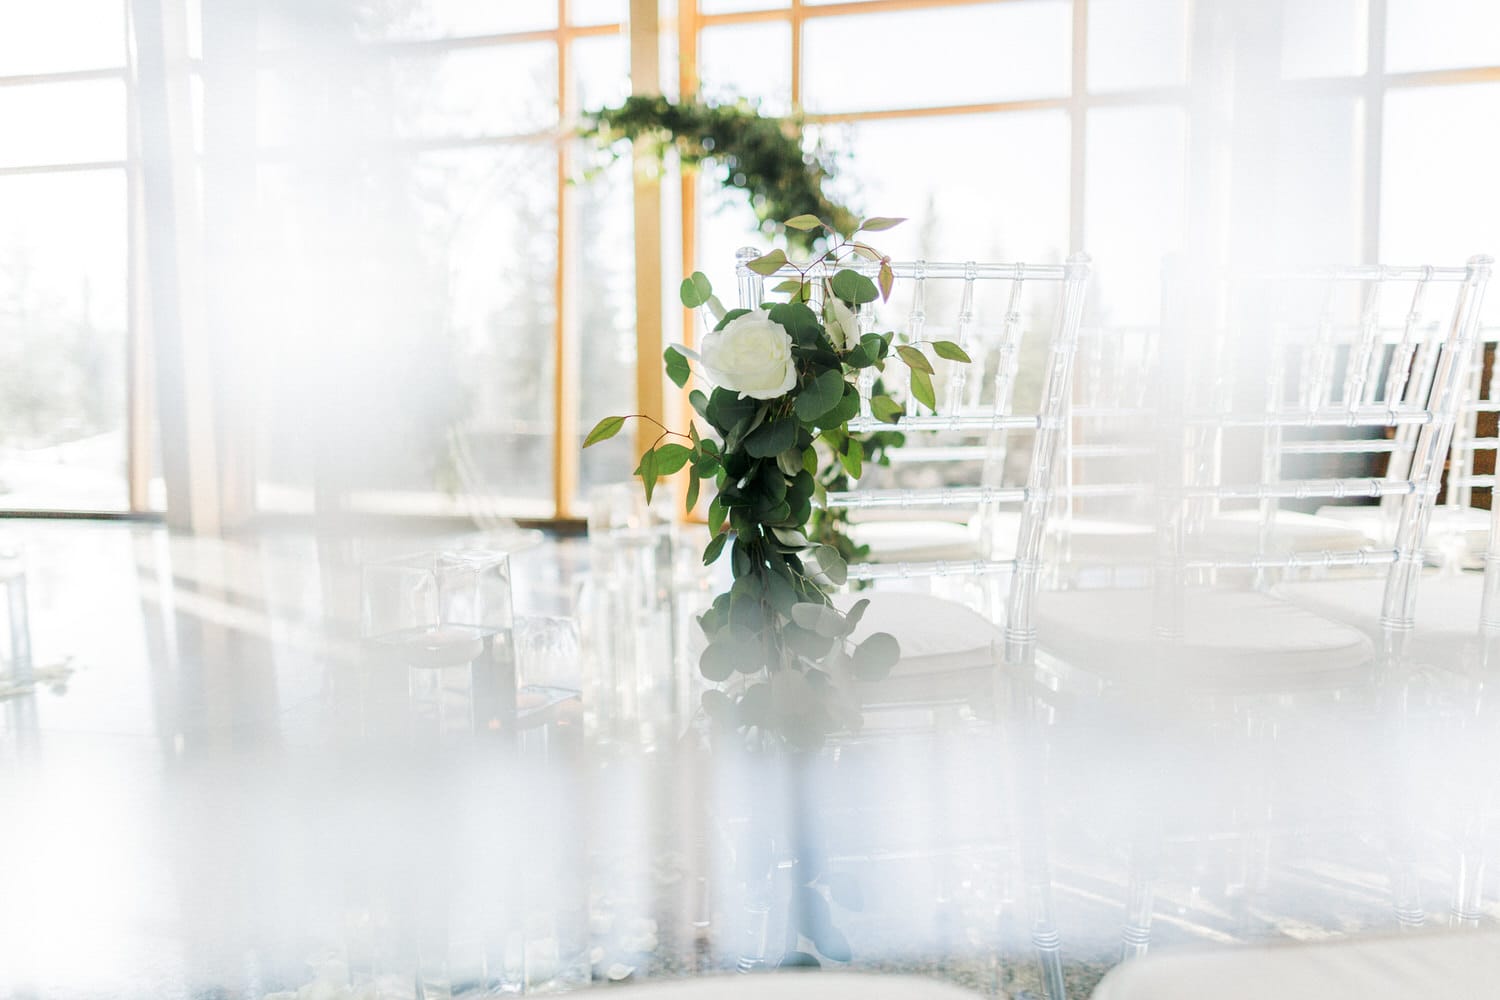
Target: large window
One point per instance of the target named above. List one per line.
(383, 206)
(64, 264)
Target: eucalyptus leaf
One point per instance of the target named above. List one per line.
(647, 471)
(914, 358)
(677, 367)
(879, 223)
(715, 548)
(804, 223)
(695, 290)
(771, 438)
(887, 280)
(671, 457)
(874, 658)
(885, 409)
(769, 263)
(832, 566)
(853, 458)
(921, 387)
(853, 287)
(950, 351)
(604, 430)
(819, 396)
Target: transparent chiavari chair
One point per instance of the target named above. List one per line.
(1253, 372)
(951, 652)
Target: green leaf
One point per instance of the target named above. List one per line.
(677, 367)
(732, 649)
(853, 287)
(950, 351)
(789, 285)
(810, 462)
(914, 358)
(879, 223)
(831, 565)
(715, 548)
(699, 399)
(818, 618)
(821, 395)
(671, 457)
(647, 471)
(694, 485)
(695, 290)
(853, 458)
(716, 515)
(604, 430)
(854, 614)
(874, 658)
(887, 280)
(768, 264)
(921, 387)
(885, 409)
(771, 438)
(804, 223)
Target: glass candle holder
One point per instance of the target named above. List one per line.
(437, 627)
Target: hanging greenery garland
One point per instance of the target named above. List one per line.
(766, 157)
(762, 155)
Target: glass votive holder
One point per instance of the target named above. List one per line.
(15, 627)
(437, 627)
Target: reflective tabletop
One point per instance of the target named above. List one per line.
(210, 787)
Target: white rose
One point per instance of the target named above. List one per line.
(751, 355)
(841, 323)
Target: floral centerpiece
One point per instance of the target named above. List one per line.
(782, 389)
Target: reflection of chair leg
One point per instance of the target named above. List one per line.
(1044, 936)
(757, 928)
(1139, 900)
(1468, 879)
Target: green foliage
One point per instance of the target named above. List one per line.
(762, 155)
(783, 652)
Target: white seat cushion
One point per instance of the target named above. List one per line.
(1233, 640)
(1292, 531)
(948, 650)
(794, 986)
(1468, 526)
(916, 541)
(911, 540)
(1447, 611)
(1462, 965)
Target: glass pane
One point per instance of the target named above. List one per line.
(1438, 199)
(1319, 193)
(598, 11)
(1014, 208)
(32, 117)
(410, 345)
(1324, 37)
(62, 341)
(601, 71)
(1133, 210)
(603, 300)
(1437, 34)
(731, 6)
(752, 61)
(53, 36)
(938, 57)
(1137, 43)
(453, 18)
(500, 90)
